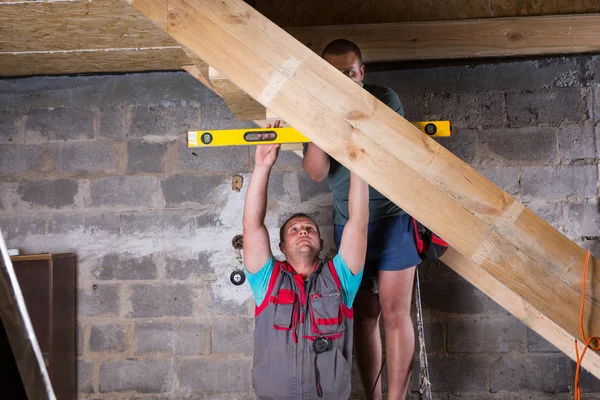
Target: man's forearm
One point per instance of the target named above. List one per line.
(315, 163)
(358, 200)
(255, 205)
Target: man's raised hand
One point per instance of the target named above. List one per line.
(266, 154)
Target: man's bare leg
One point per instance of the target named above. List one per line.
(395, 296)
(367, 341)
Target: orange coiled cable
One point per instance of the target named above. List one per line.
(577, 389)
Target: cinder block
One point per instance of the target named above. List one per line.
(192, 338)
(537, 344)
(583, 219)
(132, 191)
(103, 90)
(233, 336)
(506, 179)
(556, 105)
(52, 194)
(19, 159)
(464, 373)
(125, 266)
(143, 376)
(8, 129)
(167, 88)
(102, 301)
(145, 157)
(161, 120)
(588, 382)
(520, 395)
(275, 190)
(84, 377)
(87, 223)
(203, 159)
(524, 146)
(310, 189)
(217, 115)
(181, 189)
(560, 183)
(552, 213)
(434, 337)
(154, 337)
(593, 245)
(18, 227)
(462, 143)
(539, 373)
(217, 376)
(61, 123)
(160, 301)
(486, 335)
(158, 223)
(506, 75)
(185, 269)
(84, 157)
(416, 106)
(112, 122)
(456, 296)
(577, 142)
(107, 338)
(469, 110)
(80, 338)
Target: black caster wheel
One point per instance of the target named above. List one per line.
(237, 277)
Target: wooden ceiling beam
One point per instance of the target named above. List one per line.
(484, 223)
(459, 39)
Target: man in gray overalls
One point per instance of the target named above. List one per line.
(304, 315)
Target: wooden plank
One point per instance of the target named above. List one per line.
(241, 105)
(81, 25)
(520, 308)
(32, 257)
(321, 13)
(467, 210)
(345, 12)
(509, 8)
(74, 62)
(482, 38)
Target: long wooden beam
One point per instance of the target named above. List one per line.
(477, 38)
(520, 308)
(476, 217)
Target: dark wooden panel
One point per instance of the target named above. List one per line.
(34, 279)
(64, 340)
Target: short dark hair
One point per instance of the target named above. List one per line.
(342, 46)
(297, 215)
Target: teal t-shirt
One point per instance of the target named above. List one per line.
(259, 281)
(339, 176)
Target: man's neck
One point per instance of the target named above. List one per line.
(303, 265)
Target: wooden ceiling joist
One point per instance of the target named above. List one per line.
(497, 233)
(477, 38)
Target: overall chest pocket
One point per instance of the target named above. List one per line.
(326, 316)
(285, 307)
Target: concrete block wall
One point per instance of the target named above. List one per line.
(97, 165)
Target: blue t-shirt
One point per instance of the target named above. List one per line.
(259, 281)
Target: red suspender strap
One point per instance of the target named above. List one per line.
(265, 302)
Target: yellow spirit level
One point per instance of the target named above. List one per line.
(246, 137)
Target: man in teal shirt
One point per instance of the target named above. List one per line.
(391, 252)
